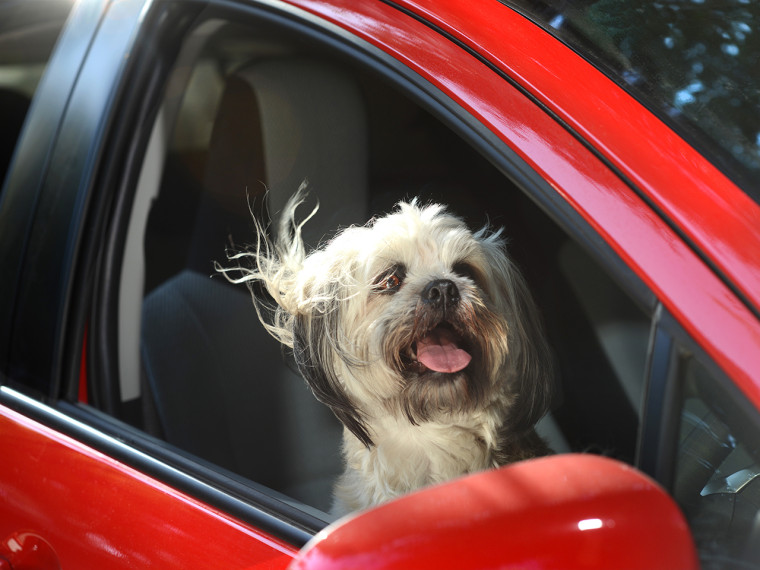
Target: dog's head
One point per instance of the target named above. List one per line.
(412, 315)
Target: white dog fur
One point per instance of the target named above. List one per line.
(362, 312)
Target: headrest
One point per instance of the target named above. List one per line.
(281, 122)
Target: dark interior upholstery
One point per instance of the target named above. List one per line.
(13, 108)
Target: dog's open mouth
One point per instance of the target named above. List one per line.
(442, 350)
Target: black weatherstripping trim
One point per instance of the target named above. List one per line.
(26, 174)
(659, 428)
(256, 508)
(627, 181)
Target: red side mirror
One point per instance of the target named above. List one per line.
(565, 511)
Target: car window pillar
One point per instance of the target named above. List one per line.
(659, 428)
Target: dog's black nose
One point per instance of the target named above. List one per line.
(441, 293)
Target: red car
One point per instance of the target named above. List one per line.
(147, 420)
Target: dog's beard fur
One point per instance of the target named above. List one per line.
(358, 311)
(428, 395)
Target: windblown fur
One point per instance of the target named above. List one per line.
(360, 311)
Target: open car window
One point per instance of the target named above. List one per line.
(250, 111)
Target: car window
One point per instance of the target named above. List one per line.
(249, 112)
(717, 469)
(28, 32)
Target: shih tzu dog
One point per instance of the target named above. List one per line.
(420, 335)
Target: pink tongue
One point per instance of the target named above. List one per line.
(439, 352)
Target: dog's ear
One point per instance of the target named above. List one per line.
(532, 359)
(314, 346)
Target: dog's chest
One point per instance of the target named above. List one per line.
(413, 456)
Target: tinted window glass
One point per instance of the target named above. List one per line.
(689, 61)
(717, 476)
(28, 32)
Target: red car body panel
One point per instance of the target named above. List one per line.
(702, 302)
(555, 512)
(95, 512)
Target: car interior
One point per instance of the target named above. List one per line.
(258, 115)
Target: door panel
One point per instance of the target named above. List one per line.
(95, 512)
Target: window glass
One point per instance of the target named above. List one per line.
(250, 112)
(28, 32)
(717, 476)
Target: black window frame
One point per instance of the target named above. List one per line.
(659, 428)
(25, 183)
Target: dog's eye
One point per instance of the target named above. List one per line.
(464, 269)
(391, 281)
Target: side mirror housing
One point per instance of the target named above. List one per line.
(564, 511)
